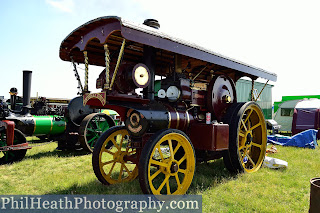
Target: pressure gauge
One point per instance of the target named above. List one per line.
(141, 75)
(161, 93)
(173, 93)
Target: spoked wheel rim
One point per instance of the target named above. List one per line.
(92, 127)
(113, 159)
(252, 138)
(169, 165)
(12, 155)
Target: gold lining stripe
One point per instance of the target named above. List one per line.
(51, 124)
(169, 124)
(184, 122)
(34, 128)
(178, 118)
(188, 119)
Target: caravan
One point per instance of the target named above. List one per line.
(306, 116)
(295, 116)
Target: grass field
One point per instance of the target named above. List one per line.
(45, 170)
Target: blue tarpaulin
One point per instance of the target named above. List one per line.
(305, 139)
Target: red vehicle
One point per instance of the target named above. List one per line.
(187, 110)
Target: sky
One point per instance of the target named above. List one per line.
(282, 37)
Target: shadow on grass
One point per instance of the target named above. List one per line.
(57, 153)
(95, 187)
(210, 174)
(207, 176)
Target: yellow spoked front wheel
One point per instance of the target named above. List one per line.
(113, 157)
(247, 138)
(167, 163)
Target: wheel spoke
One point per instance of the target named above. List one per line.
(241, 134)
(112, 167)
(107, 151)
(241, 147)
(248, 115)
(160, 152)
(177, 179)
(184, 171)
(108, 162)
(91, 140)
(255, 126)
(131, 152)
(242, 142)
(115, 144)
(163, 183)
(243, 154)
(176, 149)
(95, 121)
(244, 125)
(121, 141)
(256, 145)
(104, 126)
(128, 147)
(250, 159)
(158, 163)
(182, 159)
(120, 173)
(168, 188)
(126, 168)
(93, 131)
(155, 174)
(171, 150)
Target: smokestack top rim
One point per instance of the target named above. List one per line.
(152, 23)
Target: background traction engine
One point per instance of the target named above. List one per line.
(189, 114)
(76, 127)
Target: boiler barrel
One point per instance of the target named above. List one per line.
(155, 118)
(49, 125)
(41, 125)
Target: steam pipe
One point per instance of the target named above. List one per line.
(149, 58)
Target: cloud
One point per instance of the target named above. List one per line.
(63, 5)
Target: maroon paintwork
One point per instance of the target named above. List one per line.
(204, 78)
(212, 137)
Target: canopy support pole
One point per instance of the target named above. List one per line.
(252, 88)
(262, 90)
(118, 63)
(80, 87)
(86, 76)
(107, 59)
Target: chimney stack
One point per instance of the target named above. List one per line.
(152, 23)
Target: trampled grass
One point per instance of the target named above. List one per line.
(45, 170)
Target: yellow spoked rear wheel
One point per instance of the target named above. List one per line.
(111, 157)
(247, 138)
(167, 163)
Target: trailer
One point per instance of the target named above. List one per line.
(178, 101)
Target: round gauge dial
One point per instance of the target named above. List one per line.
(141, 75)
(161, 93)
(173, 93)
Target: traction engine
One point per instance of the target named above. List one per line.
(178, 101)
(77, 127)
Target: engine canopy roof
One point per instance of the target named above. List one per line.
(111, 30)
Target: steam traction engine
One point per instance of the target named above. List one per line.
(75, 126)
(178, 102)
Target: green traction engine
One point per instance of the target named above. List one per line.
(76, 127)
